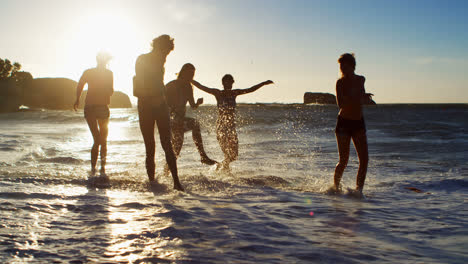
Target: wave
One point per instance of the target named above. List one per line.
(449, 184)
(63, 160)
(446, 185)
(46, 155)
(266, 181)
(294, 117)
(7, 149)
(200, 183)
(64, 116)
(28, 196)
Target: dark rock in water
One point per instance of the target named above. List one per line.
(60, 93)
(325, 98)
(319, 98)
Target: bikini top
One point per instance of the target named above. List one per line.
(226, 101)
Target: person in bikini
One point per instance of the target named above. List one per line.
(178, 93)
(350, 96)
(148, 86)
(225, 124)
(100, 82)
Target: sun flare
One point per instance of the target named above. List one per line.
(114, 33)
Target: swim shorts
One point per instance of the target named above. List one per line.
(96, 111)
(349, 127)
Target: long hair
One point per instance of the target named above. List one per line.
(186, 67)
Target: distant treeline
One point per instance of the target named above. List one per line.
(13, 83)
(12, 72)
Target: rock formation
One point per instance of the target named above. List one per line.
(319, 98)
(60, 93)
(325, 98)
(50, 93)
(118, 100)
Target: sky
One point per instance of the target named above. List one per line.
(409, 51)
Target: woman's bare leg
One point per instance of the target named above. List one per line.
(147, 121)
(177, 142)
(164, 128)
(343, 141)
(93, 127)
(360, 143)
(229, 144)
(193, 125)
(104, 131)
(177, 137)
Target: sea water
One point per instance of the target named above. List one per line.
(271, 208)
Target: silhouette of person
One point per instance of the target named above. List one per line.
(178, 93)
(148, 86)
(350, 96)
(225, 125)
(100, 82)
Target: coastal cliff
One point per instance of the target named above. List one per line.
(59, 94)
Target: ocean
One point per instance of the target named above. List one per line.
(272, 208)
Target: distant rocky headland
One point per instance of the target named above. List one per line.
(47, 93)
(325, 98)
(19, 88)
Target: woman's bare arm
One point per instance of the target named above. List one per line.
(252, 89)
(339, 94)
(79, 88)
(205, 89)
(367, 97)
(190, 98)
(112, 83)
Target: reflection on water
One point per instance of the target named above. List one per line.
(136, 230)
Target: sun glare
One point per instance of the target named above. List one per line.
(111, 32)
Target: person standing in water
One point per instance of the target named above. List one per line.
(350, 96)
(148, 86)
(100, 82)
(225, 125)
(179, 92)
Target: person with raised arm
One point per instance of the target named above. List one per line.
(100, 82)
(179, 92)
(225, 124)
(148, 86)
(350, 96)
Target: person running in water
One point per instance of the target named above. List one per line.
(148, 86)
(100, 82)
(225, 125)
(178, 93)
(350, 96)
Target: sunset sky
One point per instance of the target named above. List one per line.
(409, 51)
